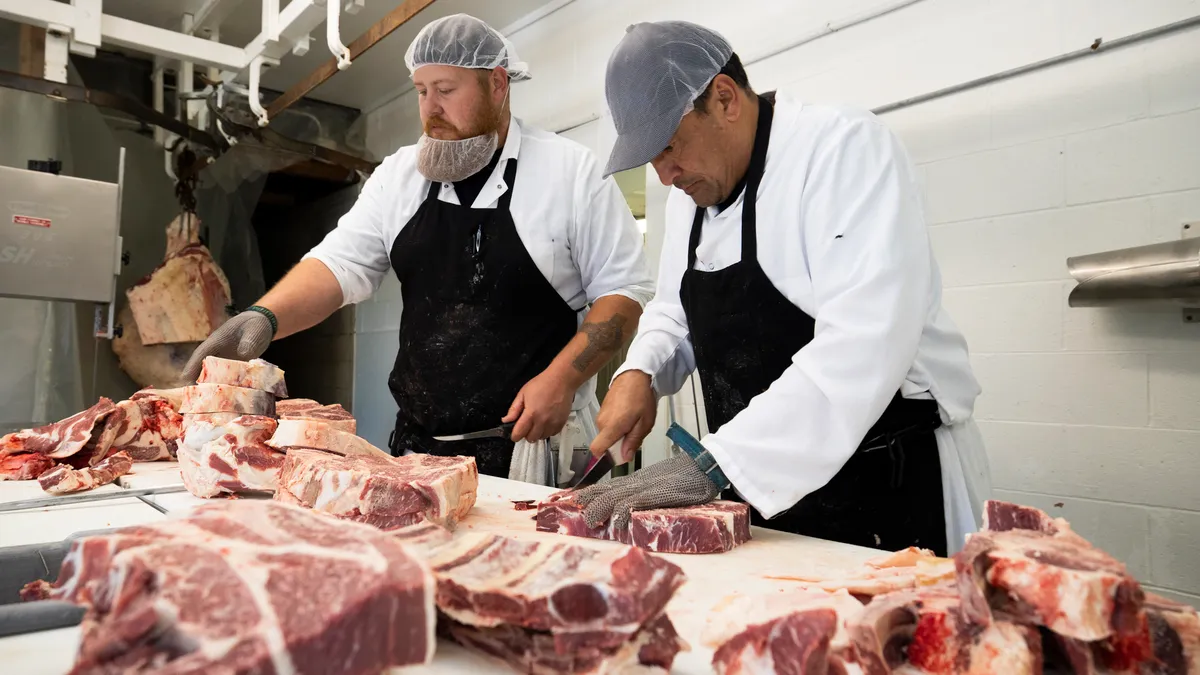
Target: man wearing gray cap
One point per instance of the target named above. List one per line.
(501, 235)
(797, 278)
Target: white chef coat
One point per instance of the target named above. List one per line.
(842, 234)
(575, 225)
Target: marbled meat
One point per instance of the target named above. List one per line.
(387, 492)
(1047, 576)
(252, 374)
(216, 398)
(249, 587)
(548, 607)
(147, 428)
(229, 456)
(715, 527)
(321, 435)
(307, 409)
(63, 479)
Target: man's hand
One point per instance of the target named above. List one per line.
(629, 410)
(541, 408)
(669, 483)
(243, 337)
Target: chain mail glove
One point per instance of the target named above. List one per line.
(672, 482)
(243, 337)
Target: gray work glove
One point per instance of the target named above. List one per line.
(243, 337)
(673, 482)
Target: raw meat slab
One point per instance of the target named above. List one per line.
(253, 374)
(387, 492)
(546, 607)
(24, 466)
(62, 479)
(320, 435)
(307, 409)
(249, 587)
(231, 456)
(147, 428)
(63, 438)
(184, 299)
(217, 398)
(710, 528)
(1057, 580)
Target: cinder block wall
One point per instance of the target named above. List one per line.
(1092, 414)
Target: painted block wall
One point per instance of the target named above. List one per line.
(1093, 414)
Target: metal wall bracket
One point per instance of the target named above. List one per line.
(1190, 231)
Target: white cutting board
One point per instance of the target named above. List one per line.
(151, 475)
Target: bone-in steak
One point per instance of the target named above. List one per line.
(709, 528)
(552, 608)
(249, 587)
(147, 428)
(229, 456)
(63, 479)
(216, 398)
(1056, 580)
(253, 374)
(387, 492)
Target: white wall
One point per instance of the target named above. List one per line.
(1092, 414)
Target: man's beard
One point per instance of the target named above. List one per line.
(449, 161)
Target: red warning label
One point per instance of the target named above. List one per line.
(30, 220)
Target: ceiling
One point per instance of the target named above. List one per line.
(371, 77)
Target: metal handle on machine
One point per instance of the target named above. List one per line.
(47, 502)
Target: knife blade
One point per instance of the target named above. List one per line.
(502, 431)
(599, 467)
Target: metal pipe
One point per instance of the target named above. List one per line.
(186, 76)
(333, 36)
(159, 85)
(384, 27)
(832, 27)
(1096, 47)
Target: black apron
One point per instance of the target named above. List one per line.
(479, 321)
(745, 332)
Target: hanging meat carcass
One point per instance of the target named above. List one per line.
(170, 311)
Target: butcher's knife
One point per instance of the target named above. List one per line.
(599, 467)
(502, 431)
(47, 502)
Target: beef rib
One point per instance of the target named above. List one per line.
(1056, 580)
(229, 456)
(183, 300)
(63, 479)
(553, 607)
(715, 527)
(217, 398)
(387, 492)
(804, 630)
(63, 438)
(147, 428)
(307, 409)
(321, 435)
(253, 374)
(249, 587)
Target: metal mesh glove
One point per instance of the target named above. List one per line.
(243, 337)
(673, 482)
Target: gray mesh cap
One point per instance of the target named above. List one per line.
(464, 41)
(654, 76)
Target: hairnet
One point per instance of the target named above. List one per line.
(654, 76)
(464, 41)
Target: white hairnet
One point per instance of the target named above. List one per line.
(464, 41)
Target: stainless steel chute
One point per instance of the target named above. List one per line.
(1167, 273)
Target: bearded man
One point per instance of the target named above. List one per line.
(521, 268)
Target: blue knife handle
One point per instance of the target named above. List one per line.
(699, 454)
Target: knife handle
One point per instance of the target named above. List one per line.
(699, 454)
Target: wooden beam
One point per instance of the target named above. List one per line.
(394, 19)
(31, 58)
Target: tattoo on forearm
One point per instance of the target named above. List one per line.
(603, 338)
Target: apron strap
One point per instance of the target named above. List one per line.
(510, 179)
(754, 174)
